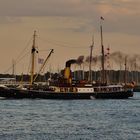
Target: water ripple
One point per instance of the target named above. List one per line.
(70, 119)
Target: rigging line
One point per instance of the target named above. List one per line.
(22, 57)
(62, 42)
(29, 65)
(44, 50)
(8, 69)
(16, 63)
(58, 43)
(24, 49)
(19, 55)
(64, 46)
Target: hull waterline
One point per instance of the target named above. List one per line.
(33, 94)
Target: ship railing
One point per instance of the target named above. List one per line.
(108, 89)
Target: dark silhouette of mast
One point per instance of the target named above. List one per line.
(13, 68)
(125, 74)
(136, 72)
(103, 55)
(90, 60)
(33, 51)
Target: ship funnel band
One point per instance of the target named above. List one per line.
(69, 62)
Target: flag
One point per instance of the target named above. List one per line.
(102, 18)
(40, 60)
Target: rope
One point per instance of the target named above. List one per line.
(65, 45)
(19, 57)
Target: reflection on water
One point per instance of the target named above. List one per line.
(70, 119)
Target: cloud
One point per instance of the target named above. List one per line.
(65, 7)
(120, 15)
(69, 21)
(9, 20)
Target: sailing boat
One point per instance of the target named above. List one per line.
(65, 88)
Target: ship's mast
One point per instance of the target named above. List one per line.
(13, 67)
(90, 60)
(102, 51)
(33, 57)
(125, 75)
(136, 72)
(43, 65)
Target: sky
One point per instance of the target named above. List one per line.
(67, 26)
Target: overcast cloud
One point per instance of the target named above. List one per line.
(120, 15)
(69, 20)
(67, 7)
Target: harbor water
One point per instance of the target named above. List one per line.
(70, 119)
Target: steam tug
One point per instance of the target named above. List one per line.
(66, 88)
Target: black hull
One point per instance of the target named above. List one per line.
(137, 89)
(33, 94)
